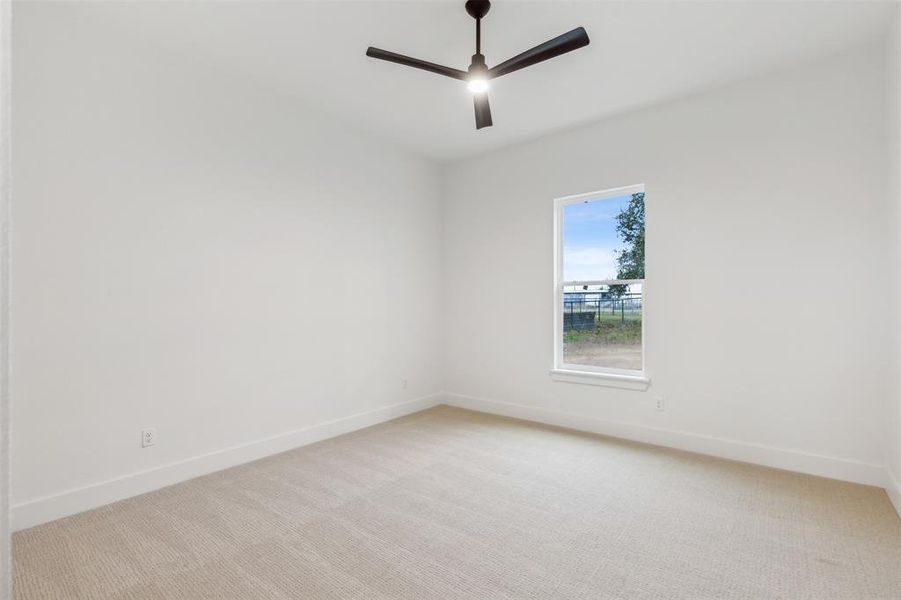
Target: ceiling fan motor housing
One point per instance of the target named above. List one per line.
(478, 68)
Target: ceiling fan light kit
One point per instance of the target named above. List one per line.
(478, 74)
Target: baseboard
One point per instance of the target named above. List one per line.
(42, 510)
(893, 489)
(789, 460)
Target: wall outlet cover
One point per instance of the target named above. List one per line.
(148, 437)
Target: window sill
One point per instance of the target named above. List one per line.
(626, 382)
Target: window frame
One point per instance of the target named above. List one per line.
(561, 371)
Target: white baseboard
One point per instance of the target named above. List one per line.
(42, 510)
(893, 489)
(789, 460)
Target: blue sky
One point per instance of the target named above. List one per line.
(590, 238)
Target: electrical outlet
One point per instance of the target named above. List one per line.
(659, 402)
(403, 384)
(148, 437)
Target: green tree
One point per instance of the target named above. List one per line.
(630, 227)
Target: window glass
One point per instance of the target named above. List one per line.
(602, 286)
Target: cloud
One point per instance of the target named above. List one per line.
(588, 263)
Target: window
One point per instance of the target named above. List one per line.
(599, 285)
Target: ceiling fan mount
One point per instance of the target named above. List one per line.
(477, 8)
(478, 74)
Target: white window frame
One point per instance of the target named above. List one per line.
(561, 371)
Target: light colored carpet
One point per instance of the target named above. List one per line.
(449, 504)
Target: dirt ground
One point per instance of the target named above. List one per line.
(603, 355)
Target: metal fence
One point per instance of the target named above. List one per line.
(587, 310)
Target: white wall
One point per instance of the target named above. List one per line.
(200, 256)
(769, 266)
(893, 80)
(5, 45)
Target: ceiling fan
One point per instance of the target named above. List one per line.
(478, 73)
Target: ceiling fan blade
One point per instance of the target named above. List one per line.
(561, 44)
(416, 63)
(483, 110)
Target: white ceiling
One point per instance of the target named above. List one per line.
(641, 53)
